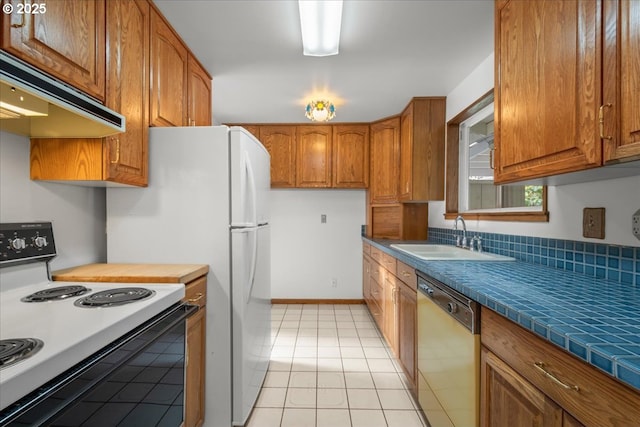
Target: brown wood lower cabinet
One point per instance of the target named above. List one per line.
(195, 293)
(516, 391)
(407, 318)
(510, 400)
(389, 288)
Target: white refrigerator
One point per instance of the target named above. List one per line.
(208, 203)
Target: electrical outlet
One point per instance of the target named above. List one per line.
(593, 223)
(334, 283)
(635, 223)
(323, 218)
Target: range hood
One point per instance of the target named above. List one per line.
(37, 105)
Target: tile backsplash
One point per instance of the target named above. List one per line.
(616, 263)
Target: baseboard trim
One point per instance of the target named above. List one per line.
(315, 301)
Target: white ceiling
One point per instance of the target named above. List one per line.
(390, 51)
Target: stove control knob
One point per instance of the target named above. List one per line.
(18, 244)
(40, 241)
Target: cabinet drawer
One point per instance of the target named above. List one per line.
(196, 292)
(599, 400)
(407, 274)
(366, 248)
(377, 273)
(389, 263)
(376, 254)
(376, 304)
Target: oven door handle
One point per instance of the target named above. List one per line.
(164, 321)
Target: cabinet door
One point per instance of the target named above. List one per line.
(280, 142)
(621, 80)
(569, 421)
(385, 146)
(350, 156)
(199, 97)
(507, 399)
(406, 153)
(195, 369)
(547, 88)
(66, 40)
(125, 154)
(422, 141)
(390, 310)
(366, 279)
(169, 58)
(407, 318)
(313, 165)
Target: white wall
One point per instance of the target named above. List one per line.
(307, 254)
(620, 197)
(77, 213)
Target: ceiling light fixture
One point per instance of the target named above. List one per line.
(320, 111)
(320, 22)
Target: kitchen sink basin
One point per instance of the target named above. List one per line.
(448, 253)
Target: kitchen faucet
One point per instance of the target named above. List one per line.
(461, 242)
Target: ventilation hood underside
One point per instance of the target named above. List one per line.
(37, 105)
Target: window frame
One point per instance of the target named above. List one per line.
(452, 175)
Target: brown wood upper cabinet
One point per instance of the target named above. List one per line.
(565, 91)
(120, 158)
(422, 141)
(280, 142)
(316, 156)
(68, 42)
(169, 68)
(384, 161)
(350, 156)
(313, 163)
(199, 94)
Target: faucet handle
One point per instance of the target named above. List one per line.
(458, 241)
(464, 241)
(479, 244)
(472, 245)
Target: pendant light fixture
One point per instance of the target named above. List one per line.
(320, 111)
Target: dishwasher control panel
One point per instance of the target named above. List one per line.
(461, 308)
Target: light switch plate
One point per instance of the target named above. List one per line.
(593, 223)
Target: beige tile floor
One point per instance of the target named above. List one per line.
(330, 368)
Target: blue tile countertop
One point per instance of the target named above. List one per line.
(595, 319)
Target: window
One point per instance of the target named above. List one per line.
(470, 188)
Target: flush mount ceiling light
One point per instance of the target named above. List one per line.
(320, 22)
(320, 111)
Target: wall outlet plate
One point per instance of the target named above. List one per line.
(593, 223)
(635, 223)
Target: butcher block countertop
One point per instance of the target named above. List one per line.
(132, 273)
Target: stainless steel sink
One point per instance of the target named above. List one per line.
(448, 253)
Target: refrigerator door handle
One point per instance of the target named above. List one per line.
(252, 188)
(254, 261)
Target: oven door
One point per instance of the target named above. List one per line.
(138, 380)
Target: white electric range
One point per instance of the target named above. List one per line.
(62, 331)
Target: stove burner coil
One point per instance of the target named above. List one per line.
(114, 297)
(17, 349)
(51, 294)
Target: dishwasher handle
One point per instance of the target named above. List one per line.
(426, 289)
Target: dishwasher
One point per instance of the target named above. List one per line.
(448, 355)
